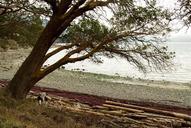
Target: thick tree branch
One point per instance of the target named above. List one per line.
(76, 10)
(96, 49)
(57, 50)
(60, 62)
(64, 6)
(53, 5)
(67, 59)
(71, 9)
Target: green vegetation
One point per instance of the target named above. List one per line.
(91, 29)
(184, 13)
(28, 114)
(134, 32)
(17, 29)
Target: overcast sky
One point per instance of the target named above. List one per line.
(184, 34)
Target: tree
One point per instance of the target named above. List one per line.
(7, 8)
(142, 53)
(21, 20)
(184, 11)
(29, 6)
(130, 34)
(21, 28)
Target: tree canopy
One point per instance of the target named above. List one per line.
(133, 32)
(18, 24)
(184, 12)
(27, 6)
(25, 31)
(143, 52)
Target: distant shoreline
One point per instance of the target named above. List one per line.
(181, 71)
(164, 92)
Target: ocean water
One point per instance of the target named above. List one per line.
(182, 64)
(181, 71)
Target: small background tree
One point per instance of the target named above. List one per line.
(25, 31)
(20, 21)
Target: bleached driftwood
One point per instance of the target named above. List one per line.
(151, 110)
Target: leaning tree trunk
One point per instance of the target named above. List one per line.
(28, 74)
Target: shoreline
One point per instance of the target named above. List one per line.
(93, 100)
(179, 72)
(165, 92)
(119, 113)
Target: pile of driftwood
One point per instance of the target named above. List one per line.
(120, 115)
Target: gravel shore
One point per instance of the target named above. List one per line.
(164, 92)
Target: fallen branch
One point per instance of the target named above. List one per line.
(123, 108)
(151, 110)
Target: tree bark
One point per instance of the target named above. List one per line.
(28, 74)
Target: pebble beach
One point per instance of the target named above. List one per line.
(163, 92)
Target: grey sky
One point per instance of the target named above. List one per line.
(183, 35)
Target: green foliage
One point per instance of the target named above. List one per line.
(23, 29)
(86, 30)
(4, 123)
(141, 46)
(147, 19)
(8, 44)
(184, 12)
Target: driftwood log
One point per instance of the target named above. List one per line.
(151, 110)
(122, 115)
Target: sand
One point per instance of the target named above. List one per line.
(164, 92)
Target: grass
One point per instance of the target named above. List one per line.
(28, 114)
